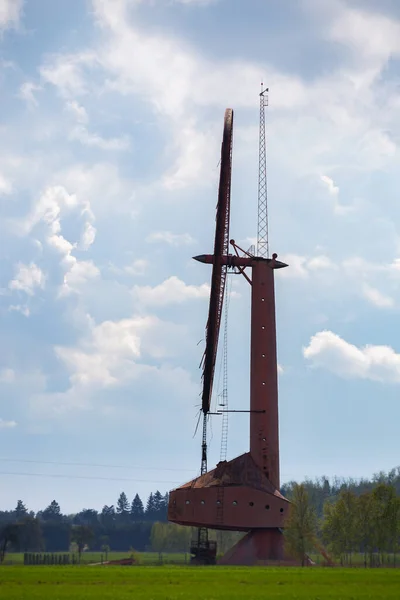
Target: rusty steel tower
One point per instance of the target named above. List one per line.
(241, 494)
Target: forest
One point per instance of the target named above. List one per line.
(357, 522)
(346, 515)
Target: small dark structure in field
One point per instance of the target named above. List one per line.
(34, 558)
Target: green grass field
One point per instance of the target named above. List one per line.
(205, 583)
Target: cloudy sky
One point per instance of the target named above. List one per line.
(111, 120)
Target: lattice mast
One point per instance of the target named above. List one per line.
(262, 230)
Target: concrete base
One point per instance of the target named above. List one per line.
(259, 547)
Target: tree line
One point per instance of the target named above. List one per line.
(348, 517)
(121, 526)
(355, 528)
(325, 489)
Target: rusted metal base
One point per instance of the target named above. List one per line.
(259, 547)
(236, 495)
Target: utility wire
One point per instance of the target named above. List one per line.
(77, 464)
(58, 476)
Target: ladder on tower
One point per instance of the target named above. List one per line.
(224, 405)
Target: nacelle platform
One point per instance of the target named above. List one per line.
(236, 495)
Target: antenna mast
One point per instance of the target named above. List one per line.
(262, 233)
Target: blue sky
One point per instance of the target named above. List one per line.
(111, 123)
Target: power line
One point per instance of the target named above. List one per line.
(77, 464)
(58, 476)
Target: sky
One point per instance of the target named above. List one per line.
(110, 130)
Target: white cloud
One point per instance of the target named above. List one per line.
(78, 111)
(333, 191)
(301, 266)
(371, 35)
(52, 204)
(49, 207)
(21, 308)
(82, 135)
(66, 73)
(355, 276)
(111, 354)
(164, 70)
(60, 244)
(171, 291)
(332, 188)
(26, 92)
(7, 424)
(106, 357)
(196, 151)
(297, 266)
(101, 186)
(329, 351)
(173, 239)
(78, 274)
(319, 263)
(27, 278)
(7, 376)
(377, 298)
(10, 12)
(88, 236)
(138, 267)
(5, 186)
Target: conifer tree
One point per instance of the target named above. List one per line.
(20, 510)
(150, 508)
(137, 509)
(123, 507)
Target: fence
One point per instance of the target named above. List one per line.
(32, 558)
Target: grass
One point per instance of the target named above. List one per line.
(205, 583)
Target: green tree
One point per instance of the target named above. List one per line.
(106, 549)
(159, 538)
(301, 525)
(365, 525)
(346, 522)
(107, 516)
(394, 519)
(137, 509)
(123, 507)
(150, 508)
(331, 528)
(87, 516)
(20, 511)
(9, 534)
(82, 535)
(52, 512)
(383, 508)
(30, 534)
(158, 504)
